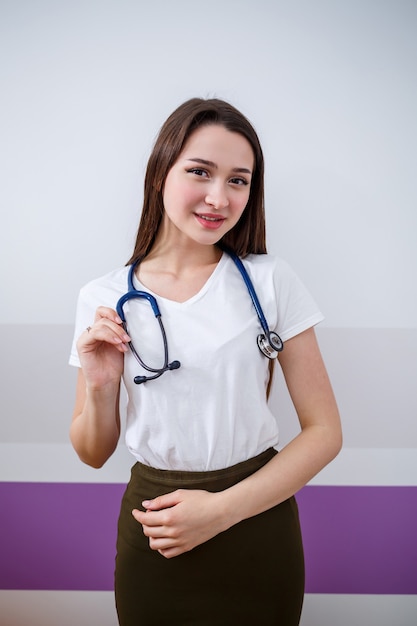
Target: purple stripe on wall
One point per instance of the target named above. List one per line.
(61, 536)
(58, 536)
(360, 539)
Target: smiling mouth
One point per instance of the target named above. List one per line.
(209, 217)
(210, 221)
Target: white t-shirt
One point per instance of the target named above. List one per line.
(212, 412)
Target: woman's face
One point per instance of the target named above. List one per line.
(207, 188)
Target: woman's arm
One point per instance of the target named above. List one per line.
(318, 443)
(95, 427)
(179, 521)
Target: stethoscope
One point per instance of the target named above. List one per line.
(269, 343)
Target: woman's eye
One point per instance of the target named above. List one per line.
(239, 181)
(198, 171)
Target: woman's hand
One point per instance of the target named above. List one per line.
(101, 349)
(178, 522)
(95, 427)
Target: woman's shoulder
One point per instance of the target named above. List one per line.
(270, 269)
(113, 282)
(264, 263)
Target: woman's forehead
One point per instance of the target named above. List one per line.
(219, 145)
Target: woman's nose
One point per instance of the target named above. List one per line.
(217, 197)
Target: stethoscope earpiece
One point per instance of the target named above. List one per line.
(138, 380)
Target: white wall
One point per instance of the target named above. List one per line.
(330, 86)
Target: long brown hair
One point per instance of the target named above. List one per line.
(248, 235)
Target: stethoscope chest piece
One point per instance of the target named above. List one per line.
(270, 346)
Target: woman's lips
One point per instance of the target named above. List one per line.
(209, 220)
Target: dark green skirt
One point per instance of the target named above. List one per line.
(251, 574)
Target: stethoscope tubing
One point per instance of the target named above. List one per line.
(152, 300)
(134, 293)
(269, 344)
(252, 292)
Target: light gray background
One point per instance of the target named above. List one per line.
(329, 84)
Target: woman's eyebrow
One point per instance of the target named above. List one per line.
(241, 170)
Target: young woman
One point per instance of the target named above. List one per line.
(208, 530)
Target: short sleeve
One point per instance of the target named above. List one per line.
(85, 314)
(296, 308)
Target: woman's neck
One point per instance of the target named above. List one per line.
(180, 257)
(178, 273)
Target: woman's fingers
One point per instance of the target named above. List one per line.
(107, 313)
(107, 332)
(189, 518)
(107, 328)
(101, 348)
(107, 320)
(164, 540)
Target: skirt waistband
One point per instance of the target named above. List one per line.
(182, 478)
